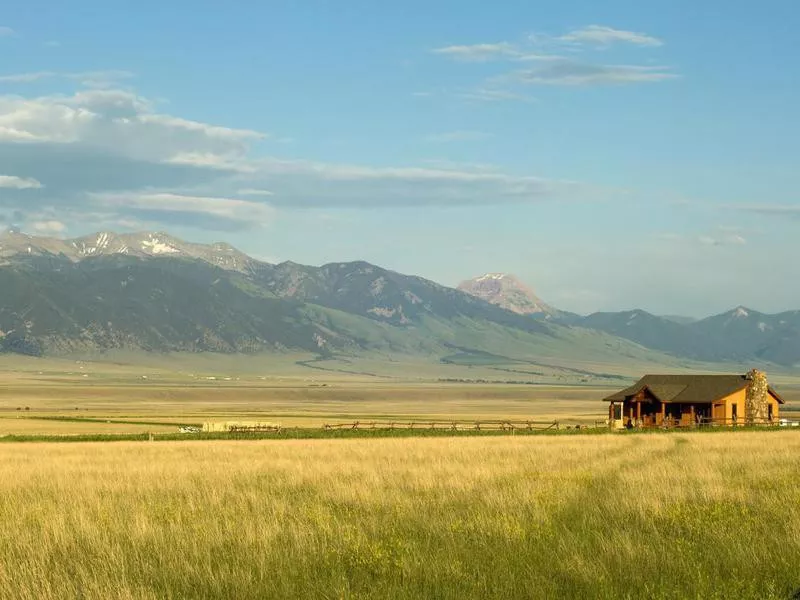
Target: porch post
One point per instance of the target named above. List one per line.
(663, 412)
(691, 409)
(638, 411)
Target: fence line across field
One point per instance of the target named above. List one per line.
(450, 425)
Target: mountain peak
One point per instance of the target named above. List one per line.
(741, 312)
(507, 291)
(138, 244)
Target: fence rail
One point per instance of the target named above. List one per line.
(675, 423)
(254, 428)
(448, 425)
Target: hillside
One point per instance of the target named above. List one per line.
(56, 304)
(739, 335)
(153, 292)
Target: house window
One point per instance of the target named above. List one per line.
(735, 411)
(618, 412)
(769, 412)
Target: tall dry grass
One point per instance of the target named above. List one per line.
(661, 516)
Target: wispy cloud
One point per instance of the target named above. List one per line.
(19, 183)
(601, 35)
(6, 32)
(565, 71)
(478, 52)
(456, 136)
(242, 211)
(771, 210)
(49, 227)
(108, 156)
(495, 95)
(733, 239)
(86, 78)
(715, 238)
(254, 192)
(553, 62)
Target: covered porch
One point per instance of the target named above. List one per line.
(644, 409)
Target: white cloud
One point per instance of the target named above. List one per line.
(495, 95)
(254, 192)
(602, 35)
(120, 122)
(19, 183)
(772, 210)
(478, 52)
(566, 71)
(108, 155)
(230, 162)
(224, 208)
(456, 136)
(552, 65)
(299, 183)
(49, 227)
(6, 31)
(719, 238)
(87, 78)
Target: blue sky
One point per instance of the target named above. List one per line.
(612, 154)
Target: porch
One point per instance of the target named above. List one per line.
(650, 412)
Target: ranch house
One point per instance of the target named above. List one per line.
(685, 400)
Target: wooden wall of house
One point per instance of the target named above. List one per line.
(724, 408)
(776, 407)
(737, 398)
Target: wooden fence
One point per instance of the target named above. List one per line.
(448, 425)
(674, 423)
(254, 428)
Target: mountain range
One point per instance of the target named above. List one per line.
(151, 291)
(739, 335)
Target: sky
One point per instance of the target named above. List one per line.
(613, 155)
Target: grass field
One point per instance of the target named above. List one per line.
(111, 397)
(613, 516)
(672, 515)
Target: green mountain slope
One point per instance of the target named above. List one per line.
(53, 305)
(154, 292)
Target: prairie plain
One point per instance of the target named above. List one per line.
(628, 515)
(137, 394)
(593, 516)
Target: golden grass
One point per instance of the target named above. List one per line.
(272, 388)
(672, 516)
(294, 405)
(27, 426)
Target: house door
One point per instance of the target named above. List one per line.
(703, 412)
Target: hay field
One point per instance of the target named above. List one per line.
(291, 404)
(192, 389)
(660, 516)
(32, 392)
